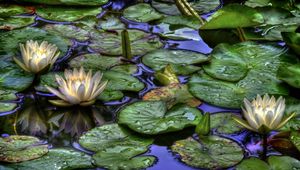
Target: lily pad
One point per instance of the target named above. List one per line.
(66, 14)
(165, 8)
(57, 159)
(16, 22)
(239, 15)
(275, 163)
(21, 148)
(68, 31)
(181, 21)
(172, 94)
(181, 60)
(295, 138)
(292, 39)
(123, 160)
(5, 107)
(111, 22)
(22, 35)
(290, 75)
(170, 8)
(141, 12)
(121, 81)
(152, 117)
(12, 10)
(8, 95)
(12, 77)
(210, 152)
(113, 138)
(126, 68)
(223, 123)
(109, 43)
(166, 31)
(68, 2)
(235, 76)
(94, 62)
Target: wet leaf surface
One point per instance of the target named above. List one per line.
(141, 12)
(152, 117)
(295, 138)
(68, 2)
(275, 163)
(172, 94)
(21, 36)
(211, 152)
(181, 60)
(223, 123)
(232, 75)
(113, 138)
(15, 22)
(109, 43)
(21, 148)
(68, 31)
(57, 159)
(69, 14)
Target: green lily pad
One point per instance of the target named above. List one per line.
(292, 39)
(68, 31)
(239, 15)
(110, 42)
(12, 10)
(22, 35)
(5, 107)
(238, 76)
(12, 77)
(66, 14)
(172, 94)
(290, 75)
(295, 138)
(121, 81)
(181, 21)
(166, 31)
(16, 22)
(111, 22)
(94, 62)
(181, 60)
(275, 163)
(210, 152)
(170, 8)
(57, 159)
(21, 148)
(152, 117)
(8, 95)
(223, 123)
(68, 2)
(165, 8)
(126, 68)
(113, 138)
(141, 12)
(123, 160)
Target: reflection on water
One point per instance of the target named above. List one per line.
(38, 118)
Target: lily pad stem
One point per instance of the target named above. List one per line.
(265, 146)
(241, 34)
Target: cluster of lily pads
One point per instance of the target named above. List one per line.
(38, 42)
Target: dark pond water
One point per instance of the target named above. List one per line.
(33, 115)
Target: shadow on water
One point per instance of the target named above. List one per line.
(61, 127)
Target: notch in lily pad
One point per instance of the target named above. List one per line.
(166, 76)
(203, 127)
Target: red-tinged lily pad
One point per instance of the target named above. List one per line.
(21, 148)
(172, 94)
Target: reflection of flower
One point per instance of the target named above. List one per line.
(264, 114)
(78, 87)
(37, 57)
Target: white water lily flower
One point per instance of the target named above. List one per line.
(264, 114)
(37, 57)
(78, 88)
